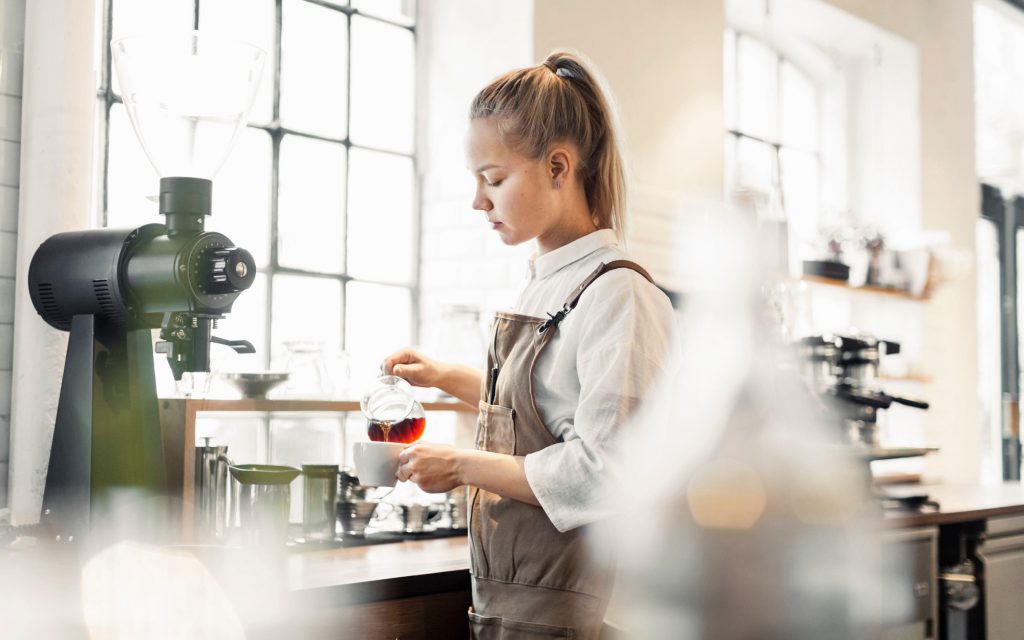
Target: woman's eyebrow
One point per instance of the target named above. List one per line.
(485, 167)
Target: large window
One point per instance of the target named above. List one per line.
(321, 184)
(772, 140)
(999, 139)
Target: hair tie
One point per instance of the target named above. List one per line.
(551, 65)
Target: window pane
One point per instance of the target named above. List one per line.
(305, 310)
(999, 92)
(241, 195)
(729, 85)
(381, 244)
(756, 92)
(244, 435)
(130, 176)
(247, 320)
(799, 109)
(403, 11)
(298, 439)
(311, 205)
(253, 21)
(139, 17)
(730, 163)
(378, 320)
(799, 174)
(313, 66)
(755, 165)
(990, 383)
(382, 85)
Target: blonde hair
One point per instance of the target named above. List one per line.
(563, 100)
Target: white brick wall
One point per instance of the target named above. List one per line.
(12, 30)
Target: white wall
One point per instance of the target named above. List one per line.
(12, 36)
(55, 194)
(663, 62)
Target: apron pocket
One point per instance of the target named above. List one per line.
(495, 429)
(495, 628)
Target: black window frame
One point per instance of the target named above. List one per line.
(1007, 216)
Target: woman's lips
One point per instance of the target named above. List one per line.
(495, 224)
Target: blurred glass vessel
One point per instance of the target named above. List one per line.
(761, 525)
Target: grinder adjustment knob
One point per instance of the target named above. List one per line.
(229, 270)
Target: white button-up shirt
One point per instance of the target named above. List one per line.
(603, 358)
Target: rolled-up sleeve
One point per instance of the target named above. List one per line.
(624, 334)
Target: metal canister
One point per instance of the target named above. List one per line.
(319, 491)
(212, 492)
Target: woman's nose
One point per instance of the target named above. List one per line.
(480, 202)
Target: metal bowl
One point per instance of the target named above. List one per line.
(256, 385)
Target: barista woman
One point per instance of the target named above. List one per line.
(564, 370)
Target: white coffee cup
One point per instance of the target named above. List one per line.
(377, 462)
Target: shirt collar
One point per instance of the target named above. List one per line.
(544, 265)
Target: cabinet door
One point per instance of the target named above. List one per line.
(1003, 574)
(917, 551)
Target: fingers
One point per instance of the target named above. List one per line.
(400, 357)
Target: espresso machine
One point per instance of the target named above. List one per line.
(187, 97)
(844, 370)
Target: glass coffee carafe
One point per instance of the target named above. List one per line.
(392, 412)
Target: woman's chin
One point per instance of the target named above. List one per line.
(506, 237)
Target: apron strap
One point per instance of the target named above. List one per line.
(554, 319)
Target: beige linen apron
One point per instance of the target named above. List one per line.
(529, 579)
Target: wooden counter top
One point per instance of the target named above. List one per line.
(958, 503)
(381, 571)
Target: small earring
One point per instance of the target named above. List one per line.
(558, 185)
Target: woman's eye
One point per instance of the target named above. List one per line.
(494, 183)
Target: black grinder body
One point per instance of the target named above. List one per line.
(110, 288)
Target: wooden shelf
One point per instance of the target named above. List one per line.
(923, 378)
(194, 405)
(841, 284)
(892, 453)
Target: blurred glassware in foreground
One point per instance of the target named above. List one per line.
(757, 523)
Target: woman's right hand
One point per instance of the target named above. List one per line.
(417, 369)
(456, 380)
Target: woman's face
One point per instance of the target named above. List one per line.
(515, 192)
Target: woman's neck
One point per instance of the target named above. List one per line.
(557, 238)
(576, 222)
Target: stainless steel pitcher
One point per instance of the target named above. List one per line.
(213, 492)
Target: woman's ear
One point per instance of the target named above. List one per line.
(560, 165)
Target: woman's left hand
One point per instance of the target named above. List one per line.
(434, 467)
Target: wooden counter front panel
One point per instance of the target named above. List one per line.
(428, 617)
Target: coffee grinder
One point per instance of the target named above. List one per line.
(187, 97)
